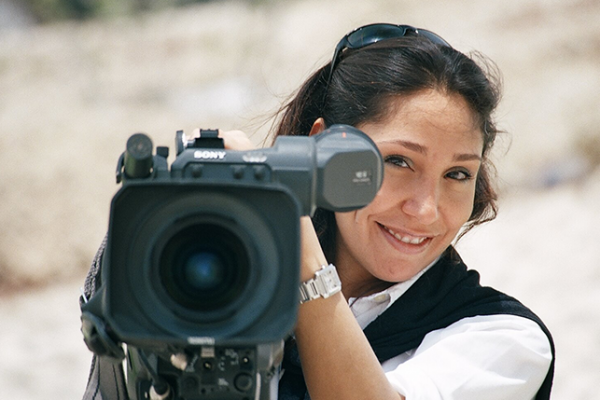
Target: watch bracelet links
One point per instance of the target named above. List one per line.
(325, 283)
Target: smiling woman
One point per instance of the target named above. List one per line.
(411, 322)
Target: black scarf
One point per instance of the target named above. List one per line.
(444, 294)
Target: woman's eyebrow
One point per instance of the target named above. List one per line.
(467, 157)
(408, 144)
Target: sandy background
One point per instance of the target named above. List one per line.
(72, 93)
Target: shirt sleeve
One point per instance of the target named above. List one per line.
(483, 357)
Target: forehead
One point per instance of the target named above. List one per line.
(428, 115)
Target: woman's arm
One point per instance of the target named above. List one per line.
(337, 360)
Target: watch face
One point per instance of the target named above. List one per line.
(331, 280)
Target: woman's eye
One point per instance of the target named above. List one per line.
(460, 175)
(397, 161)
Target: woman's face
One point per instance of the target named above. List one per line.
(432, 152)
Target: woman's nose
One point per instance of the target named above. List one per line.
(422, 202)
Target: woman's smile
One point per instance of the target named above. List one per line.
(414, 242)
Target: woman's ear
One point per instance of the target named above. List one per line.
(318, 126)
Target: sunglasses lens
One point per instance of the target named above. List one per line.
(373, 34)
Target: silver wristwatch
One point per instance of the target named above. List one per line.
(326, 283)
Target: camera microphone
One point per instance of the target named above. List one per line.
(138, 156)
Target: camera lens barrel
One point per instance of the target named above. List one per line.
(138, 156)
(204, 267)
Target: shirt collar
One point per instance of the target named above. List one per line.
(367, 308)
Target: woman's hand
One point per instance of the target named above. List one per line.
(236, 140)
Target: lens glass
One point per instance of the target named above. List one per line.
(204, 267)
(204, 270)
(374, 33)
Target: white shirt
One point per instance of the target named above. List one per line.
(483, 357)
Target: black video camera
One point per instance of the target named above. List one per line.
(200, 273)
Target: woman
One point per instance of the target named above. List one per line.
(410, 322)
(430, 330)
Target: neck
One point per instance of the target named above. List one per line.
(360, 283)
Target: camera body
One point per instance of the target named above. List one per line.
(201, 269)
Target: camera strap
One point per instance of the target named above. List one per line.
(106, 381)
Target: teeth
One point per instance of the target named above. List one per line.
(406, 239)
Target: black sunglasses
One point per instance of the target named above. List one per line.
(374, 33)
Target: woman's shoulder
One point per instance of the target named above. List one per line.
(504, 327)
(508, 352)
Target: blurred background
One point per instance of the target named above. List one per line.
(78, 77)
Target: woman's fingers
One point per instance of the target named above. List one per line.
(236, 140)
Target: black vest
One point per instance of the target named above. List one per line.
(444, 294)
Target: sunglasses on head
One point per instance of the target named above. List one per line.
(374, 33)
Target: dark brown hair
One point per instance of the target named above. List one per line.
(366, 79)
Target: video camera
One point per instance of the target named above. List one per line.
(200, 273)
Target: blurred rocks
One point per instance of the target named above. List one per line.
(14, 15)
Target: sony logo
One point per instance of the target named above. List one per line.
(209, 154)
(201, 340)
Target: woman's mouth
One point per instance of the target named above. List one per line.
(408, 239)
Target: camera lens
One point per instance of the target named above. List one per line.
(204, 270)
(204, 267)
